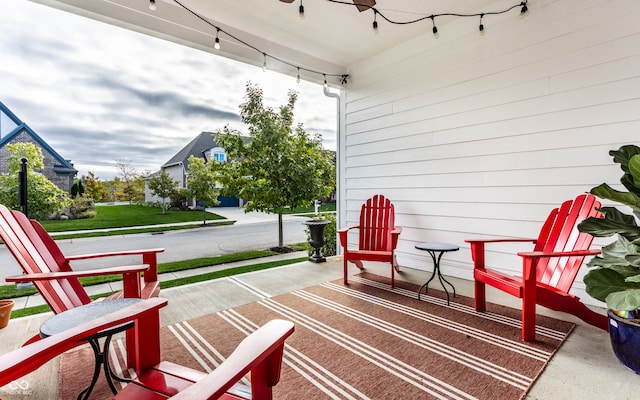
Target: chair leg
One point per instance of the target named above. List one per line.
(479, 302)
(528, 318)
(395, 264)
(393, 278)
(346, 275)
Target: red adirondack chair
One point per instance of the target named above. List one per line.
(549, 270)
(28, 358)
(50, 270)
(378, 236)
(260, 353)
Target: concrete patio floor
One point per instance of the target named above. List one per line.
(583, 368)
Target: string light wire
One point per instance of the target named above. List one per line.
(524, 10)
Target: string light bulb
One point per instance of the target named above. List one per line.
(216, 43)
(524, 11)
(481, 27)
(375, 22)
(152, 5)
(436, 35)
(298, 76)
(301, 11)
(264, 63)
(326, 85)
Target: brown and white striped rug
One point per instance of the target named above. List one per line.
(365, 341)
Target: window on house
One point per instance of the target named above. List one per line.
(218, 154)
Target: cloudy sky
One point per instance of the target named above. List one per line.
(97, 93)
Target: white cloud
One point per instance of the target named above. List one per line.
(98, 93)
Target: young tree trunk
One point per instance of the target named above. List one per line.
(280, 239)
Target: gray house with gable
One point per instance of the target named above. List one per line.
(202, 146)
(57, 169)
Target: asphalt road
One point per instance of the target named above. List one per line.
(178, 245)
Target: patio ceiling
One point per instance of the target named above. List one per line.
(331, 37)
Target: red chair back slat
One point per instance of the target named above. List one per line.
(33, 255)
(377, 220)
(560, 233)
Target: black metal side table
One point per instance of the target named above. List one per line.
(436, 250)
(79, 315)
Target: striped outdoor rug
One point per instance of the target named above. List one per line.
(365, 341)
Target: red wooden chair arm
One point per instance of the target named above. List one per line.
(477, 247)
(542, 254)
(130, 277)
(114, 253)
(395, 233)
(27, 359)
(343, 234)
(149, 257)
(529, 260)
(261, 353)
(501, 240)
(48, 276)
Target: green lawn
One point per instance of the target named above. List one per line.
(126, 216)
(330, 207)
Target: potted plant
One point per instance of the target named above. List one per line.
(5, 312)
(615, 274)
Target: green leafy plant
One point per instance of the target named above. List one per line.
(615, 277)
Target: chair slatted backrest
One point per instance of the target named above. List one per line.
(34, 256)
(560, 233)
(377, 220)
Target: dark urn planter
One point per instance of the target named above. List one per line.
(625, 341)
(316, 231)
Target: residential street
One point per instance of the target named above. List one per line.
(251, 231)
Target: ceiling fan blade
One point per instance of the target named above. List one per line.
(364, 5)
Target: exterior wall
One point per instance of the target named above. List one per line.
(64, 182)
(176, 172)
(475, 136)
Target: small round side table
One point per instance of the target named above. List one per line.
(436, 250)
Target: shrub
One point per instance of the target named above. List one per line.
(82, 207)
(178, 200)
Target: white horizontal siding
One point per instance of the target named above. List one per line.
(482, 136)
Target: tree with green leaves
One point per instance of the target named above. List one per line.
(94, 188)
(43, 198)
(163, 186)
(202, 183)
(279, 166)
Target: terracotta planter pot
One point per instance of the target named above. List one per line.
(625, 341)
(5, 312)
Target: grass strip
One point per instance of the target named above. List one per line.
(177, 282)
